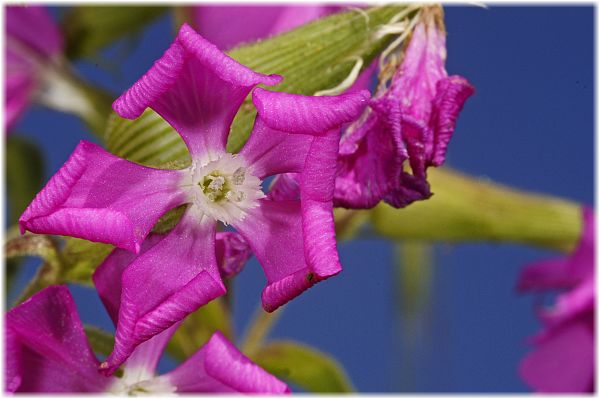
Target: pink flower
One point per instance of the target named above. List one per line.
(411, 121)
(198, 90)
(250, 23)
(32, 41)
(563, 360)
(47, 352)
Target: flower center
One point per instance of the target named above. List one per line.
(224, 189)
(152, 386)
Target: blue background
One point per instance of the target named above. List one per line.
(529, 125)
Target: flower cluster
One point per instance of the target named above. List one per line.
(151, 281)
(160, 279)
(407, 125)
(563, 360)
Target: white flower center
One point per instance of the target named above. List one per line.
(224, 189)
(151, 386)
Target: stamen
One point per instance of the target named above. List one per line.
(216, 183)
(239, 176)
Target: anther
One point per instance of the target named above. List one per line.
(239, 176)
(216, 183)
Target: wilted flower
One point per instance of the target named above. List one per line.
(198, 90)
(563, 360)
(47, 351)
(411, 121)
(33, 42)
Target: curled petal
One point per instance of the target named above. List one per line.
(563, 361)
(293, 113)
(232, 253)
(451, 95)
(54, 352)
(219, 367)
(103, 198)
(371, 157)
(163, 285)
(274, 232)
(316, 195)
(197, 89)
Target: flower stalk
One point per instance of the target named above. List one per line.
(465, 208)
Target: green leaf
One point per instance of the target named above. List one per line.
(24, 174)
(313, 57)
(147, 140)
(198, 327)
(101, 341)
(88, 29)
(304, 366)
(465, 208)
(82, 257)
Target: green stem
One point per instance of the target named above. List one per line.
(259, 329)
(465, 208)
(65, 91)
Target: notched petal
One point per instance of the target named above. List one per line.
(100, 197)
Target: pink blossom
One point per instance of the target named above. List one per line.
(32, 41)
(563, 358)
(198, 90)
(47, 352)
(250, 23)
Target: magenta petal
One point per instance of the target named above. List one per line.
(14, 362)
(274, 232)
(232, 253)
(316, 195)
(20, 84)
(285, 187)
(563, 362)
(252, 22)
(196, 88)
(166, 283)
(33, 27)
(32, 38)
(219, 367)
(563, 272)
(293, 113)
(271, 152)
(103, 198)
(141, 365)
(423, 66)
(54, 352)
(545, 275)
(107, 276)
(451, 95)
(371, 157)
(578, 301)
